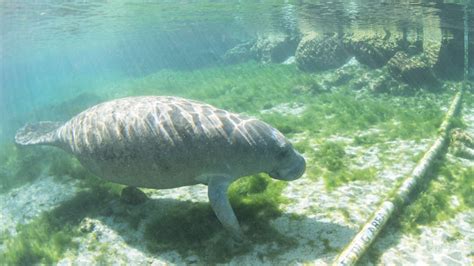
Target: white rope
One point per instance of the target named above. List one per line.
(362, 240)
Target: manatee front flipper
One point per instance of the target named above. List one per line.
(217, 193)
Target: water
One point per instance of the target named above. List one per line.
(358, 87)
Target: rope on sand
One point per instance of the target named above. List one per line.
(362, 241)
(364, 238)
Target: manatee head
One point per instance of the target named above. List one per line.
(289, 164)
(292, 166)
(285, 162)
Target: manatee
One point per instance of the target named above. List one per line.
(167, 142)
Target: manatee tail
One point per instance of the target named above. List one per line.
(37, 133)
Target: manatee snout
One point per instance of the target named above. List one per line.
(291, 168)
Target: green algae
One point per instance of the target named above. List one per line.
(185, 228)
(68, 165)
(39, 242)
(20, 165)
(194, 227)
(332, 164)
(331, 155)
(338, 178)
(67, 108)
(240, 88)
(48, 237)
(366, 139)
(447, 194)
(347, 112)
(304, 146)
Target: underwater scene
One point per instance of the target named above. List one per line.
(237, 132)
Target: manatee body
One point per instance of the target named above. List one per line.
(167, 142)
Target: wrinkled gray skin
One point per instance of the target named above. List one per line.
(169, 142)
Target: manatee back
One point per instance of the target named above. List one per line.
(146, 138)
(148, 121)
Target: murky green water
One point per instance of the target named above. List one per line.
(359, 89)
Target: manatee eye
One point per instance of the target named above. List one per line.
(283, 153)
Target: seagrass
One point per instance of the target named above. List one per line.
(396, 200)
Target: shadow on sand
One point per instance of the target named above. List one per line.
(192, 230)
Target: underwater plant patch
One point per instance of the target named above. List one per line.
(48, 237)
(193, 228)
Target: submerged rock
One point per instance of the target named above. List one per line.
(462, 144)
(274, 48)
(378, 81)
(416, 70)
(270, 48)
(321, 52)
(290, 60)
(87, 225)
(344, 74)
(133, 196)
(238, 54)
(374, 51)
(384, 83)
(459, 135)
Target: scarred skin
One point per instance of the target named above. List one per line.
(167, 142)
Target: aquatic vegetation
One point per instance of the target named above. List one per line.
(133, 196)
(346, 112)
(444, 196)
(338, 178)
(303, 146)
(64, 110)
(366, 139)
(65, 164)
(44, 240)
(194, 227)
(91, 203)
(331, 163)
(38, 243)
(331, 155)
(20, 165)
(184, 229)
(257, 199)
(239, 88)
